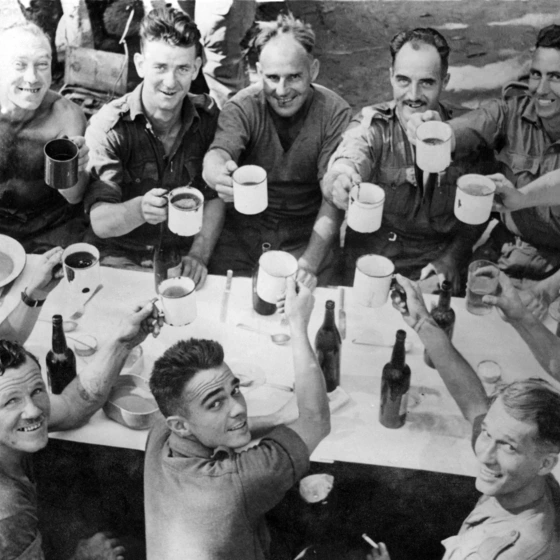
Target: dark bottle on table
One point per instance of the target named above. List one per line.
(395, 383)
(168, 262)
(443, 315)
(327, 348)
(61, 361)
(259, 305)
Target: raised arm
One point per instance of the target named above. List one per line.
(88, 392)
(313, 423)
(457, 374)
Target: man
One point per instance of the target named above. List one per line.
(289, 126)
(28, 412)
(38, 216)
(149, 142)
(419, 231)
(524, 129)
(204, 500)
(516, 439)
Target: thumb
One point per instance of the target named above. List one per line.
(491, 300)
(144, 310)
(290, 286)
(231, 166)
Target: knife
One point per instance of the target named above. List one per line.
(342, 316)
(225, 297)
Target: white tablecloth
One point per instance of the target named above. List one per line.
(435, 437)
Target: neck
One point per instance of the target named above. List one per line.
(162, 120)
(524, 496)
(15, 114)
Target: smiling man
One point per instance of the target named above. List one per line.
(290, 126)
(419, 231)
(28, 412)
(149, 142)
(35, 214)
(516, 440)
(203, 499)
(524, 129)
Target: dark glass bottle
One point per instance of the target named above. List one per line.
(167, 256)
(61, 362)
(327, 347)
(259, 305)
(443, 315)
(395, 383)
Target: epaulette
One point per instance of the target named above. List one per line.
(367, 114)
(203, 101)
(515, 89)
(111, 114)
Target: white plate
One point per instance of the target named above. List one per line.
(16, 252)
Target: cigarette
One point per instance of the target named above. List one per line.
(370, 541)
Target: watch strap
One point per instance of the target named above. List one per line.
(30, 302)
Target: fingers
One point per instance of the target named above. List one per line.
(196, 270)
(225, 192)
(231, 166)
(306, 278)
(154, 206)
(341, 187)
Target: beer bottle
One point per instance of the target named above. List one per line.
(61, 362)
(259, 305)
(395, 383)
(327, 348)
(443, 315)
(168, 262)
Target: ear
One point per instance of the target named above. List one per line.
(391, 74)
(178, 425)
(139, 63)
(315, 66)
(548, 463)
(446, 81)
(259, 69)
(197, 66)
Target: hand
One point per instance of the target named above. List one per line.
(535, 301)
(307, 278)
(509, 304)
(47, 275)
(194, 268)
(99, 547)
(341, 186)
(83, 150)
(416, 119)
(446, 269)
(507, 198)
(298, 304)
(224, 182)
(417, 311)
(154, 206)
(134, 328)
(381, 554)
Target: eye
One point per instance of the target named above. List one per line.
(272, 78)
(11, 402)
(534, 75)
(236, 390)
(38, 391)
(402, 81)
(20, 66)
(508, 448)
(215, 405)
(43, 65)
(554, 78)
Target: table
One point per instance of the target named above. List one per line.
(435, 438)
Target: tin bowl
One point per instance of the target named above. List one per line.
(131, 403)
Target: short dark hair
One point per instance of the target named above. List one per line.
(171, 26)
(13, 355)
(285, 24)
(549, 37)
(534, 400)
(426, 35)
(177, 366)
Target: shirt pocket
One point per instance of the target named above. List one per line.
(492, 547)
(400, 190)
(521, 168)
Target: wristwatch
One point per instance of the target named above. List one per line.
(30, 302)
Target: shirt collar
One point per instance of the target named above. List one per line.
(189, 448)
(390, 108)
(529, 113)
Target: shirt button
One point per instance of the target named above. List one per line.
(137, 180)
(513, 533)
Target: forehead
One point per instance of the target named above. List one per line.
(546, 59)
(207, 381)
(160, 51)
(501, 423)
(284, 51)
(16, 378)
(19, 43)
(417, 59)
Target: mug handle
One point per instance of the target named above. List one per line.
(398, 295)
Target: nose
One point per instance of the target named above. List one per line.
(281, 87)
(31, 411)
(30, 74)
(413, 91)
(543, 87)
(486, 452)
(169, 79)
(238, 407)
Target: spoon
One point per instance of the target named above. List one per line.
(278, 338)
(67, 326)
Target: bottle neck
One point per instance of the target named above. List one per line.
(329, 318)
(444, 301)
(398, 357)
(59, 345)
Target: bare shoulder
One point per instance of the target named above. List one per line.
(67, 114)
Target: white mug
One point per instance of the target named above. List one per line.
(433, 146)
(250, 189)
(178, 301)
(185, 210)
(366, 207)
(274, 268)
(80, 262)
(372, 280)
(474, 198)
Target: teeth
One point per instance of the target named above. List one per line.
(489, 474)
(238, 427)
(36, 90)
(31, 428)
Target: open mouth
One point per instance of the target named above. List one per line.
(30, 90)
(284, 101)
(414, 104)
(543, 102)
(168, 93)
(237, 427)
(488, 475)
(31, 427)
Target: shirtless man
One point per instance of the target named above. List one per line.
(35, 214)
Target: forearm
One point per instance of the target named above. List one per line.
(544, 191)
(457, 374)
(325, 230)
(550, 286)
(19, 323)
(76, 193)
(88, 392)
(116, 219)
(212, 224)
(544, 344)
(460, 248)
(214, 165)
